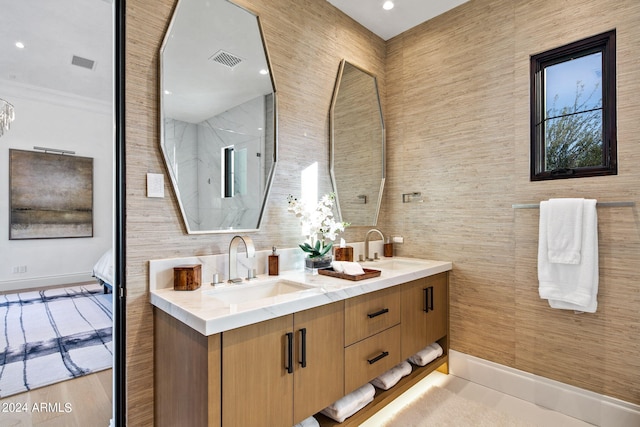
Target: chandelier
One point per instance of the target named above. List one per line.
(7, 115)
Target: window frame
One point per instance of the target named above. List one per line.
(606, 44)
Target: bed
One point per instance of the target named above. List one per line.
(103, 271)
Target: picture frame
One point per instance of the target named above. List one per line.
(51, 195)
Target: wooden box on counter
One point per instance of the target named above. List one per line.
(187, 277)
(343, 254)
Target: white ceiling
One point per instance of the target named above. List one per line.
(53, 32)
(389, 23)
(50, 32)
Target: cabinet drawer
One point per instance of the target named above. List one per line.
(369, 314)
(367, 359)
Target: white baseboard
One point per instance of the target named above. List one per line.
(45, 282)
(593, 408)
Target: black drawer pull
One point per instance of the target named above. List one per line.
(378, 357)
(378, 313)
(289, 366)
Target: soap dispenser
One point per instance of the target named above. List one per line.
(388, 248)
(274, 262)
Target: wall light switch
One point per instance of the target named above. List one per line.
(155, 185)
(398, 239)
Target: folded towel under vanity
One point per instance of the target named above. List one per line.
(309, 422)
(427, 355)
(348, 405)
(392, 376)
(569, 286)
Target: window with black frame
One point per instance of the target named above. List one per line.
(573, 110)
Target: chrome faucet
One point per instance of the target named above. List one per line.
(233, 256)
(366, 242)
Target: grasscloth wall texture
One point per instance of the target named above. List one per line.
(306, 40)
(456, 105)
(458, 131)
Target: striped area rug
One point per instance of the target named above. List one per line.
(53, 335)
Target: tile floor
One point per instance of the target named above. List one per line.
(524, 410)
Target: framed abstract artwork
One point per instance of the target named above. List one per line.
(51, 195)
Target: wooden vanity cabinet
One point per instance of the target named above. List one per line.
(187, 374)
(281, 371)
(425, 313)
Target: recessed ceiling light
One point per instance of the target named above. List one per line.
(20, 45)
(388, 5)
(264, 72)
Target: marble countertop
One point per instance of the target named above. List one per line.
(205, 312)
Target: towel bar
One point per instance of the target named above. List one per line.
(599, 204)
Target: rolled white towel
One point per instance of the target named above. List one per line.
(392, 376)
(348, 405)
(352, 268)
(309, 422)
(337, 266)
(427, 355)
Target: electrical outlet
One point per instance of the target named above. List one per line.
(398, 239)
(19, 269)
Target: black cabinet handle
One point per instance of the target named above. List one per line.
(428, 299)
(378, 357)
(377, 313)
(289, 366)
(303, 347)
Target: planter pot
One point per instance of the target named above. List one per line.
(312, 265)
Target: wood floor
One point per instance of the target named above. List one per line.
(81, 402)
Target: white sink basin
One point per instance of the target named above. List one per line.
(246, 293)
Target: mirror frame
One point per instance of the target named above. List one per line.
(269, 181)
(120, 290)
(332, 150)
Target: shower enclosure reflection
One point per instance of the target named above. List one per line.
(218, 107)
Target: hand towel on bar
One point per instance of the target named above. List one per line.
(392, 376)
(348, 405)
(570, 286)
(308, 422)
(564, 230)
(427, 355)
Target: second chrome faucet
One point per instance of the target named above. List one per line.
(366, 242)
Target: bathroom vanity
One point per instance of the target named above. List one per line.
(273, 352)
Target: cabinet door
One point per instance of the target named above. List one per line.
(257, 388)
(425, 313)
(319, 361)
(438, 311)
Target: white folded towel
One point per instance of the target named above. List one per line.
(427, 355)
(564, 230)
(392, 376)
(309, 422)
(337, 266)
(348, 405)
(352, 268)
(570, 286)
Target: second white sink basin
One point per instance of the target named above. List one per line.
(250, 292)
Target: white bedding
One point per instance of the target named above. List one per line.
(103, 268)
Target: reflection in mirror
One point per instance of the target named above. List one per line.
(218, 108)
(357, 145)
